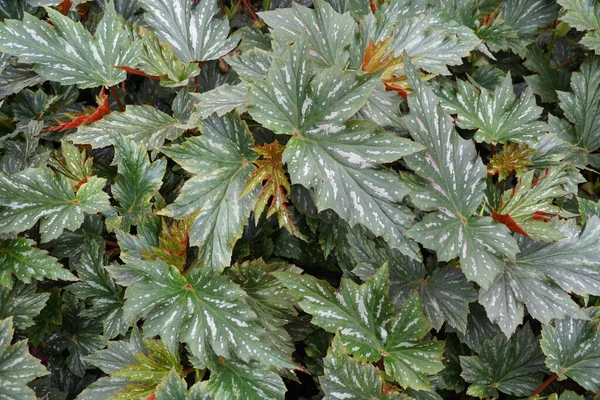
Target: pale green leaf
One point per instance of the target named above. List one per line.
(66, 52)
(221, 100)
(221, 163)
(17, 366)
(39, 194)
(191, 28)
(144, 125)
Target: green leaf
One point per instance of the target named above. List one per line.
(572, 348)
(174, 387)
(39, 194)
(541, 275)
(22, 303)
(452, 184)
(513, 366)
(17, 366)
(72, 163)
(549, 78)
(531, 198)
(288, 101)
(145, 125)
(348, 379)
(587, 208)
(148, 370)
(221, 162)
(66, 52)
(199, 309)
(499, 116)
(445, 293)
(582, 107)
(370, 326)
(198, 36)
(137, 181)
(99, 288)
(26, 262)
(221, 100)
(234, 379)
(159, 59)
(329, 33)
(584, 15)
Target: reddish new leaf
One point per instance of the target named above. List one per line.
(510, 223)
(135, 71)
(87, 117)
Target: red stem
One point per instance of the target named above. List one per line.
(544, 385)
(250, 10)
(373, 6)
(118, 100)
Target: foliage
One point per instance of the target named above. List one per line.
(326, 199)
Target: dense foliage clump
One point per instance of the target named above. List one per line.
(343, 199)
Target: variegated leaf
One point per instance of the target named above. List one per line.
(221, 161)
(542, 276)
(584, 15)
(66, 52)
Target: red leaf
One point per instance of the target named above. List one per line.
(64, 6)
(510, 223)
(135, 71)
(101, 111)
(151, 397)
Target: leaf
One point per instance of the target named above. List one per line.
(572, 348)
(159, 60)
(72, 163)
(220, 161)
(587, 208)
(14, 380)
(514, 158)
(145, 125)
(47, 320)
(234, 379)
(21, 258)
(582, 107)
(198, 37)
(329, 33)
(137, 181)
(276, 186)
(530, 200)
(200, 309)
(445, 293)
(549, 78)
(22, 303)
(174, 387)
(513, 366)
(37, 194)
(221, 100)
(86, 117)
(66, 52)
(452, 183)
(584, 15)
(498, 116)
(346, 378)
(541, 275)
(173, 243)
(98, 287)
(369, 325)
(150, 367)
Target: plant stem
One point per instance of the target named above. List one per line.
(117, 99)
(266, 5)
(544, 385)
(373, 6)
(248, 7)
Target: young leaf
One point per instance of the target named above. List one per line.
(174, 387)
(72, 163)
(190, 28)
(329, 33)
(515, 158)
(98, 287)
(369, 325)
(17, 366)
(200, 309)
(21, 258)
(221, 161)
(541, 275)
(514, 366)
(453, 181)
(85, 118)
(173, 243)
(572, 348)
(498, 116)
(39, 194)
(144, 125)
(348, 379)
(22, 303)
(275, 188)
(137, 181)
(66, 52)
